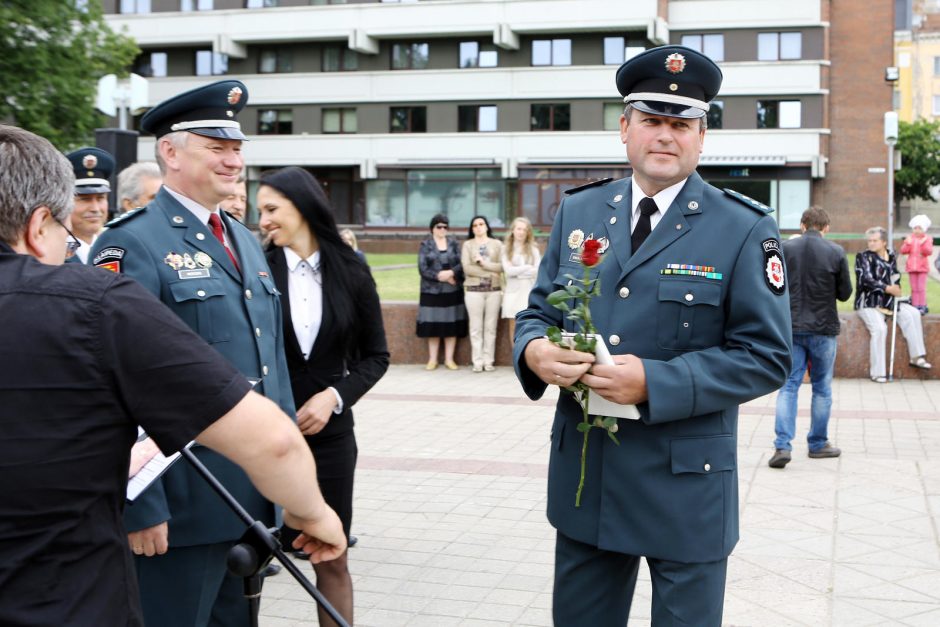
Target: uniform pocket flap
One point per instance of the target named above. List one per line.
(196, 290)
(269, 286)
(690, 292)
(703, 455)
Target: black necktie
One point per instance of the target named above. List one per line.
(641, 232)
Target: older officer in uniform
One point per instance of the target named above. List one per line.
(93, 168)
(695, 311)
(210, 270)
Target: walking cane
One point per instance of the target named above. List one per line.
(894, 337)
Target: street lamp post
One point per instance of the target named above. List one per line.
(891, 138)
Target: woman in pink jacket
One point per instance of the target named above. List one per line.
(918, 247)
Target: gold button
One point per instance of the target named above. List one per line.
(248, 294)
(200, 236)
(708, 467)
(689, 297)
(614, 340)
(624, 292)
(673, 87)
(257, 332)
(264, 370)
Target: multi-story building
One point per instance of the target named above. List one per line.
(404, 109)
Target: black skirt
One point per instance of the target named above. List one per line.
(442, 315)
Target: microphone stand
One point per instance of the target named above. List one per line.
(255, 550)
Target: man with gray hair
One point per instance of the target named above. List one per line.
(88, 357)
(138, 185)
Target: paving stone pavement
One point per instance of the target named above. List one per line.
(450, 510)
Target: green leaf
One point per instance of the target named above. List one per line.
(584, 427)
(614, 438)
(609, 421)
(554, 335)
(558, 297)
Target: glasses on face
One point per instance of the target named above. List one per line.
(71, 244)
(440, 226)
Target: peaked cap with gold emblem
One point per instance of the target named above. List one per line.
(674, 81)
(209, 110)
(93, 168)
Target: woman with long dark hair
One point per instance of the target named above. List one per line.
(334, 338)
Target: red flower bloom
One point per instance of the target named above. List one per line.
(590, 254)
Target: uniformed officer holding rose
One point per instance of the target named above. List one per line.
(695, 312)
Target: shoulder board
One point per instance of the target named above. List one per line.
(749, 202)
(124, 217)
(575, 190)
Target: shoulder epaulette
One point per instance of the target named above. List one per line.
(575, 190)
(124, 217)
(750, 202)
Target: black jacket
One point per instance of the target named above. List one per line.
(819, 274)
(351, 363)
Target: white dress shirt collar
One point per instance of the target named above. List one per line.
(663, 199)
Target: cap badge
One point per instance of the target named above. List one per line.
(89, 161)
(234, 95)
(675, 63)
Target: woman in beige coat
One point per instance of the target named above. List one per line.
(481, 258)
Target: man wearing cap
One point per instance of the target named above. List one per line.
(695, 313)
(93, 168)
(210, 270)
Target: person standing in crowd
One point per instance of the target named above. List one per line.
(877, 285)
(918, 246)
(210, 270)
(819, 275)
(103, 357)
(481, 257)
(350, 238)
(442, 316)
(237, 204)
(335, 340)
(694, 309)
(93, 168)
(521, 259)
(138, 185)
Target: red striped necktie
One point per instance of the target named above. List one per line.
(215, 223)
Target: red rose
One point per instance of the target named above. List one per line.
(590, 254)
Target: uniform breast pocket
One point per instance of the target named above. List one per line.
(201, 304)
(265, 312)
(689, 315)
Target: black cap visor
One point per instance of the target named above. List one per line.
(219, 133)
(668, 109)
(82, 190)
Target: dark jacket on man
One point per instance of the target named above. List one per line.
(819, 274)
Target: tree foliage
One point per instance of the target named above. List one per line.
(920, 160)
(52, 53)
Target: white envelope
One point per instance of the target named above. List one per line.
(597, 404)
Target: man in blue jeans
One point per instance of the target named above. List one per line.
(819, 274)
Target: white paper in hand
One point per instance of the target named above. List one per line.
(597, 404)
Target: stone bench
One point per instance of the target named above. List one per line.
(851, 361)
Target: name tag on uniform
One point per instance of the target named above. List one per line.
(198, 273)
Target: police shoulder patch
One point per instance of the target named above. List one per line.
(124, 217)
(109, 258)
(749, 202)
(774, 272)
(581, 188)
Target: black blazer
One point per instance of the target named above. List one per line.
(352, 362)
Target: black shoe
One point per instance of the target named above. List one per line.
(270, 570)
(301, 555)
(781, 458)
(352, 541)
(828, 450)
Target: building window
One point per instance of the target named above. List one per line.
(551, 52)
(936, 66)
(472, 54)
(340, 59)
(612, 113)
(779, 46)
(712, 46)
(936, 106)
(151, 65)
(617, 50)
(210, 63)
(195, 5)
(275, 122)
(715, 113)
(340, 121)
(410, 56)
(261, 4)
(276, 60)
(551, 117)
(476, 118)
(135, 6)
(778, 113)
(409, 120)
